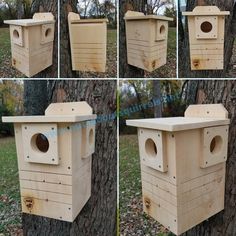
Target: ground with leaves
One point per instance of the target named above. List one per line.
(132, 219)
(6, 70)
(168, 70)
(10, 208)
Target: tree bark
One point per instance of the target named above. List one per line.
(98, 217)
(210, 92)
(184, 51)
(157, 97)
(48, 6)
(66, 6)
(128, 71)
(35, 97)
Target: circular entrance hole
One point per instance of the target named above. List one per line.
(151, 148)
(162, 29)
(91, 136)
(40, 142)
(16, 34)
(206, 27)
(216, 145)
(48, 32)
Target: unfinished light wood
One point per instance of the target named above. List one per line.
(88, 42)
(56, 183)
(189, 191)
(206, 26)
(32, 43)
(146, 38)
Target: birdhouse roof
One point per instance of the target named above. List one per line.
(38, 19)
(133, 15)
(177, 123)
(206, 11)
(71, 112)
(82, 21)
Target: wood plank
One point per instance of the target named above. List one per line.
(41, 186)
(88, 45)
(46, 196)
(206, 64)
(100, 51)
(46, 177)
(90, 67)
(49, 209)
(207, 57)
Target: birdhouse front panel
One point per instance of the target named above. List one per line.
(206, 25)
(146, 38)
(191, 187)
(32, 43)
(54, 159)
(88, 40)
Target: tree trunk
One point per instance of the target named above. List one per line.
(48, 6)
(98, 217)
(157, 97)
(210, 92)
(66, 6)
(35, 97)
(184, 51)
(128, 71)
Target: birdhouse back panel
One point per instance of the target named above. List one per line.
(88, 39)
(183, 164)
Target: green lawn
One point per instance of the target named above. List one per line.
(10, 209)
(5, 48)
(132, 219)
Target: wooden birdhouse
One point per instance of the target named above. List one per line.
(32, 43)
(206, 25)
(146, 38)
(183, 164)
(88, 42)
(54, 159)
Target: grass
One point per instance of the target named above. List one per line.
(168, 70)
(10, 216)
(132, 219)
(6, 70)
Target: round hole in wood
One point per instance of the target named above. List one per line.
(216, 144)
(91, 136)
(16, 34)
(40, 142)
(151, 148)
(162, 30)
(48, 32)
(206, 27)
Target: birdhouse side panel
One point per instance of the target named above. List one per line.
(41, 51)
(88, 46)
(64, 150)
(82, 180)
(206, 53)
(188, 154)
(202, 208)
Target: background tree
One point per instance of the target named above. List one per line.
(98, 217)
(230, 33)
(211, 92)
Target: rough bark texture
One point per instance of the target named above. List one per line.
(49, 6)
(66, 6)
(157, 97)
(210, 92)
(35, 97)
(128, 71)
(98, 217)
(184, 53)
